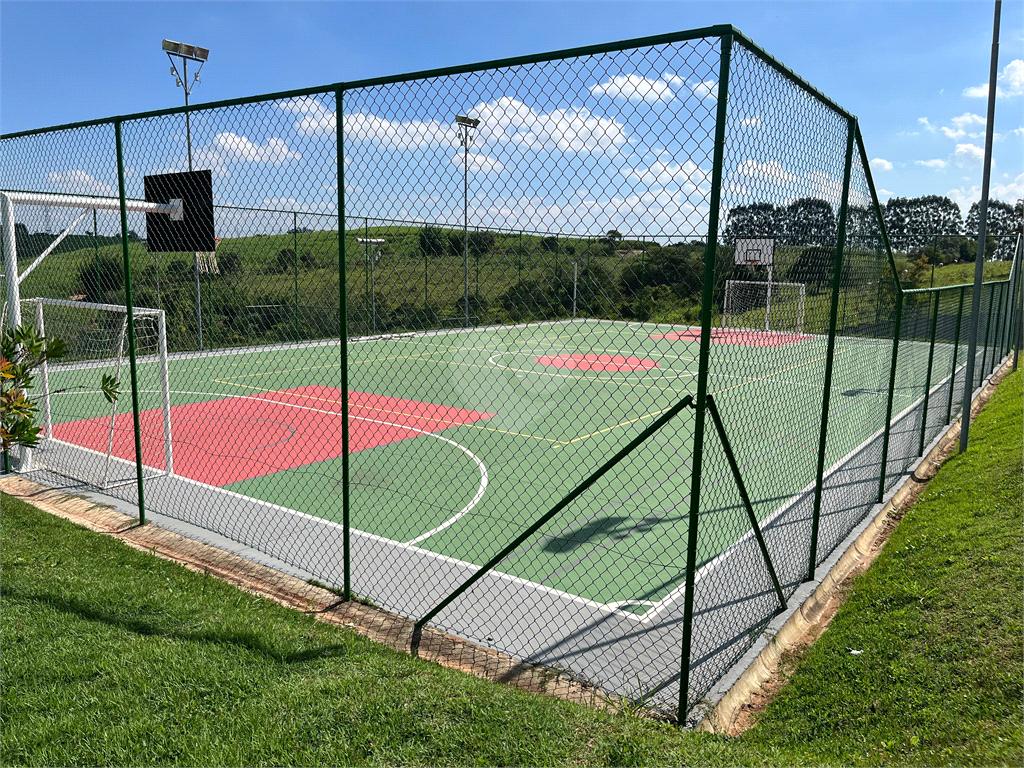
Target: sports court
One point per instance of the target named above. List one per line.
(460, 439)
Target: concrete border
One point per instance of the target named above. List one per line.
(815, 603)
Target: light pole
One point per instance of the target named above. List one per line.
(189, 53)
(466, 127)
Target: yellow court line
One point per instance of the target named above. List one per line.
(623, 424)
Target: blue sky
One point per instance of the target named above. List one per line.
(910, 71)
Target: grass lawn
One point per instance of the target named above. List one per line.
(112, 656)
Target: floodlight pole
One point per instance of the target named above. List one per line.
(186, 86)
(979, 259)
(466, 127)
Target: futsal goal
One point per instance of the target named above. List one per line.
(83, 436)
(766, 306)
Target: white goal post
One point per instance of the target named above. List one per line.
(96, 336)
(764, 306)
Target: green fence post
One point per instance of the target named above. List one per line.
(343, 342)
(130, 311)
(1015, 299)
(956, 349)
(96, 256)
(295, 259)
(988, 325)
(707, 297)
(928, 375)
(892, 390)
(716, 418)
(426, 287)
(1004, 293)
(837, 279)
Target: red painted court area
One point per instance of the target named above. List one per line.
(747, 338)
(238, 438)
(591, 362)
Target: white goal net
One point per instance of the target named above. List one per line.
(764, 306)
(85, 437)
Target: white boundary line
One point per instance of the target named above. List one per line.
(369, 536)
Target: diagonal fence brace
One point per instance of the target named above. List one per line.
(755, 526)
(667, 416)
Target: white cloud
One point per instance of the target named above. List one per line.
(234, 148)
(961, 124)
(771, 171)
(884, 193)
(1009, 83)
(706, 90)
(226, 148)
(928, 126)
(936, 164)
(673, 79)
(78, 182)
(1009, 192)
(967, 119)
(635, 88)
(503, 121)
(880, 164)
(969, 155)
(751, 122)
(479, 163)
(687, 175)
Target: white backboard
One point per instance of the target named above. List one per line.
(755, 251)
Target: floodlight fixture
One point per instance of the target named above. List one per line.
(466, 127)
(469, 122)
(186, 51)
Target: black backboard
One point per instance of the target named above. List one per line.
(195, 231)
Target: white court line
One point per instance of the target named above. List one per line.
(637, 376)
(479, 463)
(426, 553)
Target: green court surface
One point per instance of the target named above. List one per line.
(543, 415)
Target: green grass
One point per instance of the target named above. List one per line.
(959, 274)
(112, 656)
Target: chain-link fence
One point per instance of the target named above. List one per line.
(590, 358)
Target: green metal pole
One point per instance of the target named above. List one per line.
(96, 255)
(133, 367)
(1004, 294)
(928, 375)
(295, 252)
(707, 297)
(1019, 297)
(892, 391)
(343, 344)
(837, 278)
(754, 525)
(426, 287)
(956, 349)
(540, 521)
(988, 324)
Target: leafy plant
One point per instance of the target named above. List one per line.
(22, 351)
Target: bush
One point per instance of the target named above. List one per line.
(97, 279)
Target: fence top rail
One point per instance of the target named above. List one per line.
(957, 287)
(718, 30)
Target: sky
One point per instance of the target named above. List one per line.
(913, 73)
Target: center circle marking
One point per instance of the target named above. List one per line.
(594, 362)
